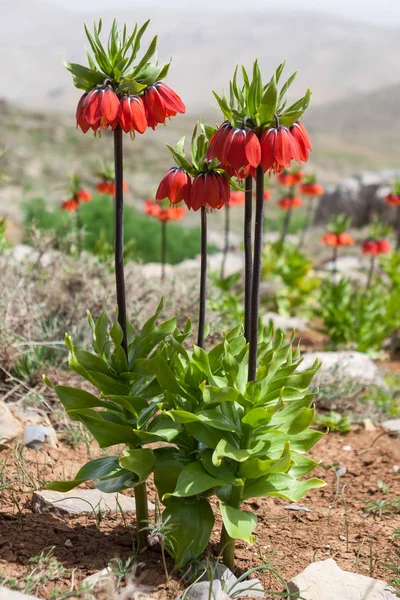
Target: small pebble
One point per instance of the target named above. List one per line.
(297, 508)
(396, 468)
(342, 537)
(68, 544)
(341, 470)
(347, 448)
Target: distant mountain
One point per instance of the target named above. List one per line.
(374, 113)
(335, 58)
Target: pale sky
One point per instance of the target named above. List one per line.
(379, 12)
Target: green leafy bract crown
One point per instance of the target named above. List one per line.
(115, 62)
(339, 223)
(261, 103)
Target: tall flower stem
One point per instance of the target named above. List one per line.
(255, 287)
(334, 262)
(227, 544)
(370, 272)
(119, 233)
(163, 248)
(78, 232)
(203, 278)
(142, 514)
(285, 227)
(226, 241)
(308, 221)
(248, 259)
(398, 228)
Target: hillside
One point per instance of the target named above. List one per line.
(376, 112)
(333, 57)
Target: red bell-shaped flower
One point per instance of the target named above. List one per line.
(301, 142)
(241, 149)
(217, 142)
(70, 205)
(277, 149)
(175, 186)
(83, 196)
(100, 108)
(173, 103)
(132, 114)
(312, 189)
(209, 189)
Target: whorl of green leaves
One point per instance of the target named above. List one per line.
(260, 101)
(116, 61)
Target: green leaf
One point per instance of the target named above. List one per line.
(140, 461)
(225, 449)
(267, 107)
(189, 522)
(100, 332)
(194, 480)
(213, 418)
(105, 432)
(105, 468)
(216, 395)
(147, 55)
(254, 467)
(168, 467)
(89, 76)
(74, 399)
(239, 524)
(116, 333)
(224, 471)
(280, 486)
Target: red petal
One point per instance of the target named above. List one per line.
(155, 108)
(252, 149)
(139, 120)
(109, 105)
(163, 188)
(91, 110)
(197, 195)
(125, 114)
(172, 101)
(234, 149)
(284, 147)
(267, 143)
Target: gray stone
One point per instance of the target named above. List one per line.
(346, 264)
(24, 253)
(216, 570)
(234, 262)
(35, 436)
(98, 579)
(10, 427)
(33, 417)
(205, 590)
(324, 580)
(295, 507)
(360, 197)
(344, 366)
(249, 588)
(6, 594)
(392, 425)
(81, 501)
(283, 322)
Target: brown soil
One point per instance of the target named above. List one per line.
(289, 540)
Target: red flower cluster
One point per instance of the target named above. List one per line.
(236, 198)
(375, 247)
(312, 189)
(207, 189)
(289, 203)
(241, 151)
(393, 199)
(101, 108)
(335, 240)
(72, 204)
(107, 186)
(163, 214)
(289, 178)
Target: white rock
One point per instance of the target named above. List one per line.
(295, 507)
(35, 436)
(205, 590)
(24, 253)
(68, 544)
(345, 264)
(234, 262)
(344, 367)
(31, 417)
(10, 427)
(249, 588)
(81, 501)
(324, 580)
(282, 322)
(392, 425)
(6, 594)
(98, 579)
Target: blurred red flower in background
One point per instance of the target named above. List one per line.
(288, 203)
(70, 205)
(375, 247)
(332, 239)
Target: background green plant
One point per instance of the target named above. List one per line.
(142, 234)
